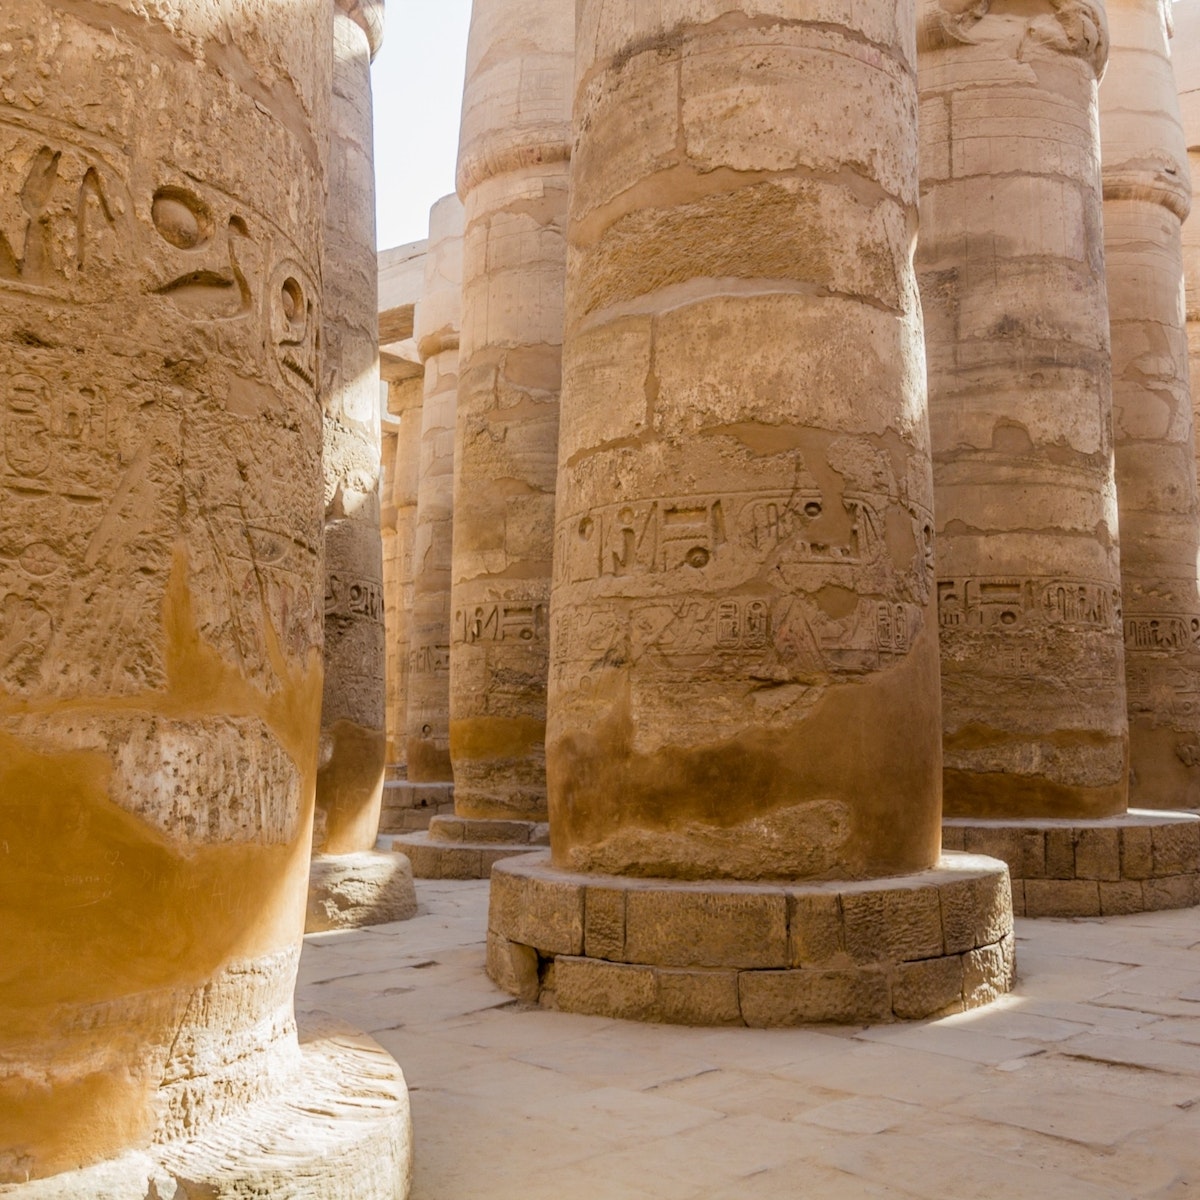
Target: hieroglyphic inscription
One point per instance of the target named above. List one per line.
(429, 660)
(514, 621)
(651, 536)
(353, 597)
(1162, 631)
(1017, 602)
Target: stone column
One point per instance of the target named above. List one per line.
(744, 665)
(351, 884)
(160, 584)
(436, 331)
(1011, 265)
(1147, 195)
(1185, 54)
(514, 155)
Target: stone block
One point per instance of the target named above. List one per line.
(1176, 891)
(698, 997)
(513, 967)
(593, 987)
(816, 936)
(488, 832)
(349, 891)
(929, 988)
(771, 998)
(604, 923)
(1176, 847)
(989, 972)
(448, 829)
(537, 911)
(1062, 898)
(1023, 849)
(975, 911)
(1018, 897)
(1137, 852)
(893, 924)
(1120, 899)
(954, 836)
(706, 926)
(433, 860)
(1060, 856)
(1098, 853)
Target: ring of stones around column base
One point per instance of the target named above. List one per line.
(339, 1129)
(759, 954)
(1142, 861)
(462, 848)
(408, 807)
(348, 891)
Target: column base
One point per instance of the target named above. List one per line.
(410, 806)
(1142, 861)
(348, 891)
(339, 1129)
(461, 848)
(758, 954)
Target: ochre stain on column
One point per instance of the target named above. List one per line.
(744, 676)
(1185, 56)
(353, 725)
(437, 332)
(1010, 257)
(512, 178)
(160, 579)
(1147, 196)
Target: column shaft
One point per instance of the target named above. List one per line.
(1011, 265)
(1147, 194)
(512, 178)
(437, 332)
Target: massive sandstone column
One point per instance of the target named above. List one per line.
(350, 883)
(1185, 55)
(1147, 195)
(744, 672)
(1012, 273)
(161, 212)
(436, 330)
(512, 177)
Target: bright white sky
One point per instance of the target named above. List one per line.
(417, 81)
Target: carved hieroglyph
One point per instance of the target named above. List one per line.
(1010, 257)
(350, 780)
(161, 208)
(437, 329)
(512, 177)
(744, 676)
(1185, 55)
(1147, 195)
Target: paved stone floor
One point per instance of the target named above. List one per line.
(1084, 1085)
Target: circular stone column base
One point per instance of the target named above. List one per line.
(338, 1129)
(409, 806)
(461, 848)
(759, 954)
(348, 891)
(1142, 861)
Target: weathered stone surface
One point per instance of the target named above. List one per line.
(160, 578)
(1147, 195)
(353, 722)
(1185, 53)
(512, 178)
(1105, 865)
(437, 330)
(755, 954)
(513, 967)
(1012, 283)
(408, 807)
(348, 891)
(743, 564)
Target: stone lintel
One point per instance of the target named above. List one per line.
(348, 891)
(1142, 861)
(338, 1129)
(787, 953)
